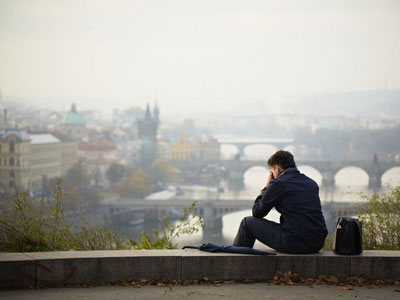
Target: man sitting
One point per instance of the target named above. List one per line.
(295, 196)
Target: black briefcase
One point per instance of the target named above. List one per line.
(348, 236)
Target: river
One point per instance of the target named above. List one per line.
(349, 183)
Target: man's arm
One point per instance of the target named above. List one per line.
(269, 196)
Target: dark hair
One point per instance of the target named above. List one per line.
(282, 158)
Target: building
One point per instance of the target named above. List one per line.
(14, 159)
(68, 152)
(183, 149)
(100, 147)
(98, 155)
(210, 149)
(33, 159)
(147, 132)
(129, 152)
(73, 124)
(45, 158)
(164, 148)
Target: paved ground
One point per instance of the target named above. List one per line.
(226, 291)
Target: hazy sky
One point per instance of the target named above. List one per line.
(194, 55)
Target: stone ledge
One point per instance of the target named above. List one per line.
(18, 270)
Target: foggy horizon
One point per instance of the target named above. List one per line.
(191, 56)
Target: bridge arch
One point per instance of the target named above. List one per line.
(231, 222)
(352, 176)
(258, 151)
(311, 172)
(228, 151)
(391, 177)
(255, 176)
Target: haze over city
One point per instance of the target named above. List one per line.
(218, 125)
(195, 56)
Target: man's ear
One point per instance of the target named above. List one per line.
(279, 169)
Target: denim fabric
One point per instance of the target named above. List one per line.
(270, 234)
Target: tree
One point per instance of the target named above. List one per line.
(96, 175)
(142, 181)
(79, 196)
(162, 171)
(77, 175)
(137, 185)
(115, 172)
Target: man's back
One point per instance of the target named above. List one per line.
(302, 228)
(300, 208)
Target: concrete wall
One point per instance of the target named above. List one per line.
(75, 267)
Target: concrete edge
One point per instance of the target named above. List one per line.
(45, 269)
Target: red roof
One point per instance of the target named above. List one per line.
(100, 144)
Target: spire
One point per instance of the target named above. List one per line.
(73, 107)
(156, 112)
(148, 115)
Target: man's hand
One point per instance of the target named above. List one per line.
(270, 177)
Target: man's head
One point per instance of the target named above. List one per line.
(280, 161)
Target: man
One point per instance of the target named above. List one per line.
(302, 226)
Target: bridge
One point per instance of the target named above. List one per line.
(235, 169)
(242, 143)
(121, 209)
(125, 211)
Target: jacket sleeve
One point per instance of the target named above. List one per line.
(267, 199)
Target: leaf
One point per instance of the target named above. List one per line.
(161, 284)
(332, 280)
(290, 282)
(345, 288)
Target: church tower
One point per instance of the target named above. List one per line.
(148, 126)
(156, 113)
(147, 129)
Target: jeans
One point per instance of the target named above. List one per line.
(270, 234)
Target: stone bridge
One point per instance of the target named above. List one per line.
(124, 211)
(121, 209)
(242, 143)
(235, 169)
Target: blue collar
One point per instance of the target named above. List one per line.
(288, 170)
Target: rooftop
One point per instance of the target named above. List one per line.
(43, 138)
(20, 133)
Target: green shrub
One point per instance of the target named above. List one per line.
(381, 220)
(188, 224)
(32, 225)
(328, 246)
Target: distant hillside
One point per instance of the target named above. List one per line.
(364, 103)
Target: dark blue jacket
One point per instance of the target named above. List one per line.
(295, 197)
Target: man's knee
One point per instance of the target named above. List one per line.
(246, 221)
